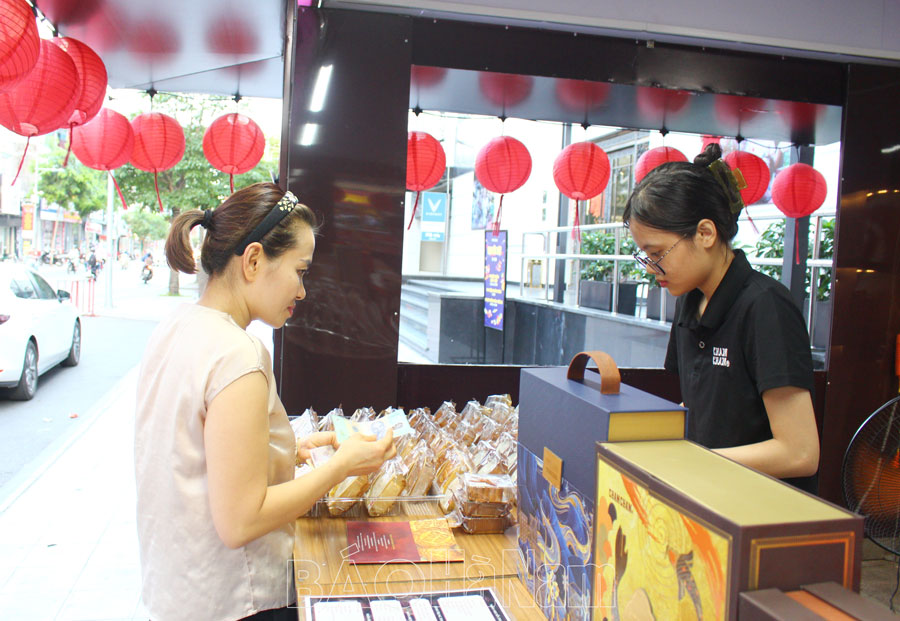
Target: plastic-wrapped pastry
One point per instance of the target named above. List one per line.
(484, 525)
(487, 487)
(485, 429)
(421, 471)
(506, 445)
(345, 494)
(455, 462)
(417, 418)
(441, 445)
(447, 408)
(326, 422)
(480, 450)
(387, 484)
(405, 445)
(491, 463)
(366, 413)
(491, 400)
(501, 412)
(464, 433)
(472, 412)
(479, 509)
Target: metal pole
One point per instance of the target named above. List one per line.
(110, 240)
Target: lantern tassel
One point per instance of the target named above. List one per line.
(21, 161)
(752, 223)
(412, 217)
(497, 219)
(69, 149)
(576, 230)
(231, 181)
(796, 244)
(121, 196)
(156, 185)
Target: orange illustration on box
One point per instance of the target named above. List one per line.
(654, 562)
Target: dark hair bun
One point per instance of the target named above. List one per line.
(710, 154)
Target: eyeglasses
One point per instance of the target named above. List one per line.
(651, 265)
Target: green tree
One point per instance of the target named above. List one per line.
(193, 183)
(74, 187)
(146, 225)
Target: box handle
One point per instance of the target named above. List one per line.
(609, 372)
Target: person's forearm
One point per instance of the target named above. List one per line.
(774, 458)
(283, 503)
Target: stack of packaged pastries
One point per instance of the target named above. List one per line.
(465, 460)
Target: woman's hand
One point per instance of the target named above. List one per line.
(362, 454)
(315, 440)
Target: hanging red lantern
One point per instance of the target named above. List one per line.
(661, 102)
(69, 11)
(104, 143)
(505, 89)
(581, 172)
(425, 77)
(232, 34)
(19, 42)
(425, 165)
(581, 95)
(755, 172)
(653, 158)
(44, 100)
(234, 144)
(92, 74)
(736, 110)
(799, 115)
(158, 145)
(797, 191)
(502, 165)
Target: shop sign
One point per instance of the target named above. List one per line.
(27, 221)
(434, 216)
(93, 227)
(494, 278)
(50, 212)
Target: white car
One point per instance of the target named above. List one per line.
(39, 328)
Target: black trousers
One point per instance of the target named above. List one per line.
(288, 613)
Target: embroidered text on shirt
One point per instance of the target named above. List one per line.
(720, 357)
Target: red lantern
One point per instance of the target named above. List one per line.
(797, 191)
(44, 100)
(799, 115)
(234, 144)
(104, 143)
(755, 172)
(653, 158)
(736, 110)
(581, 95)
(425, 77)
(425, 164)
(654, 102)
(502, 165)
(69, 11)
(92, 73)
(19, 42)
(153, 39)
(158, 145)
(505, 89)
(232, 34)
(581, 172)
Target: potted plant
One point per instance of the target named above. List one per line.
(771, 245)
(596, 287)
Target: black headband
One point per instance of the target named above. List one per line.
(281, 209)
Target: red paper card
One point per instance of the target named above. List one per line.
(419, 541)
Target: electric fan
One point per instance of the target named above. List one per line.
(871, 475)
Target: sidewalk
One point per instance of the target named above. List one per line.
(68, 543)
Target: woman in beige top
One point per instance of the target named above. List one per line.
(214, 452)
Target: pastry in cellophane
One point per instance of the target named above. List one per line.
(345, 494)
(421, 464)
(479, 525)
(386, 486)
(326, 422)
(487, 487)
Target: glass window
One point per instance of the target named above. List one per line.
(44, 290)
(22, 287)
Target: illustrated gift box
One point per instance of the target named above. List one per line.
(681, 531)
(563, 413)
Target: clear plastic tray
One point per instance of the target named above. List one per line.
(406, 506)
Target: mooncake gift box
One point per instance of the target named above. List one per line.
(681, 531)
(563, 413)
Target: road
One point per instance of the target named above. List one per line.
(113, 341)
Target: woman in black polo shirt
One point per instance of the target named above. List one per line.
(738, 343)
